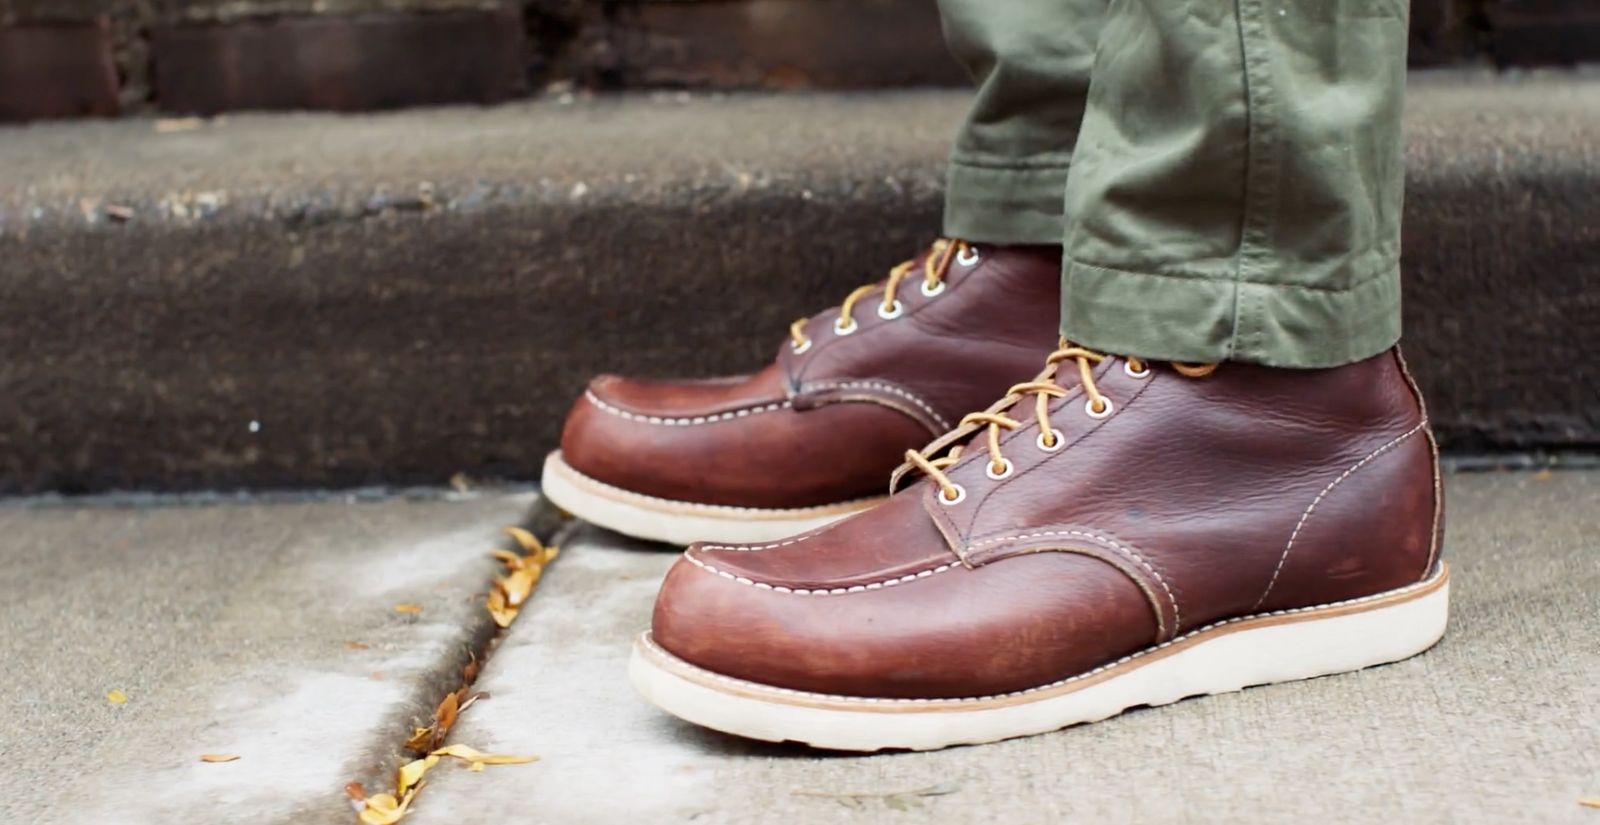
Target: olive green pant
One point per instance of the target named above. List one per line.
(1226, 175)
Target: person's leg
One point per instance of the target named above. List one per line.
(1121, 531)
(1237, 193)
(1031, 60)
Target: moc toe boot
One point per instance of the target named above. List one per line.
(812, 437)
(1111, 534)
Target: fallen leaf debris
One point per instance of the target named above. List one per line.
(506, 598)
(522, 575)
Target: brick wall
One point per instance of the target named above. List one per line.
(61, 58)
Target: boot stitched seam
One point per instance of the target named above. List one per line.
(1177, 615)
(879, 385)
(687, 421)
(1324, 494)
(1291, 611)
(834, 591)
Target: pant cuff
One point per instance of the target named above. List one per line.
(1005, 205)
(1202, 320)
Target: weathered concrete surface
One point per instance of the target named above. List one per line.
(397, 298)
(230, 628)
(1497, 724)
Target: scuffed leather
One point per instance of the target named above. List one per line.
(829, 424)
(1196, 500)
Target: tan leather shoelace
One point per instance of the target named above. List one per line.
(1043, 388)
(934, 266)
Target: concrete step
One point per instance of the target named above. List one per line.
(296, 300)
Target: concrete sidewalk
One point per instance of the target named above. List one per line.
(1498, 724)
(265, 630)
(268, 630)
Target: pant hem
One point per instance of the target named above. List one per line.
(1017, 205)
(1160, 317)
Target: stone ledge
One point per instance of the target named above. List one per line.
(270, 301)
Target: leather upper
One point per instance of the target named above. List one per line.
(1195, 500)
(829, 423)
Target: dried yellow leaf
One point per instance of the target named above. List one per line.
(477, 767)
(421, 739)
(502, 614)
(382, 809)
(510, 593)
(219, 757)
(412, 772)
(408, 608)
(445, 715)
(117, 697)
(354, 645)
(1590, 802)
(519, 585)
(529, 542)
(470, 754)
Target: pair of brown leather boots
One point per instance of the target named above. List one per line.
(1110, 533)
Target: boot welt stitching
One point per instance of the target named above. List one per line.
(835, 591)
(889, 388)
(1324, 494)
(684, 422)
(1177, 616)
(1052, 685)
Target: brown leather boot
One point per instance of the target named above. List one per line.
(1113, 534)
(812, 437)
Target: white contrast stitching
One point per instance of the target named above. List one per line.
(836, 591)
(683, 422)
(1177, 617)
(805, 694)
(1318, 500)
(889, 388)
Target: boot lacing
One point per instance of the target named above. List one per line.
(934, 266)
(1043, 388)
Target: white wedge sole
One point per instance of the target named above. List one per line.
(1281, 646)
(680, 522)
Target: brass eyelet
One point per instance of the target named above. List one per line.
(961, 495)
